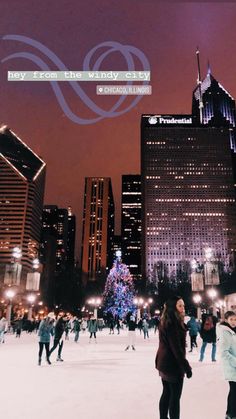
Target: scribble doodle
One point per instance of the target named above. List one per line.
(127, 51)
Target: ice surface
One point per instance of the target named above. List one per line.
(101, 381)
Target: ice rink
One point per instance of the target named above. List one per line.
(100, 381)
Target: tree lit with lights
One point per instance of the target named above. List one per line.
(119, 290)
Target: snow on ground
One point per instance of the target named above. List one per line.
(101, 381)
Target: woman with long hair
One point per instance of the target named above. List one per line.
(171, 359)
(226, 333)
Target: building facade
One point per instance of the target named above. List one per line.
(188, 193)
(57, 252)
(131, 223)
(98, 229)
(216, 105)
(22, 182)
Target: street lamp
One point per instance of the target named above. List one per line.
(212, 294)
(10, 295)
(35, 263)
(221, 305)
(31, 298)
(197, 300)
(95, 302)
(13, 269)
(141, 302)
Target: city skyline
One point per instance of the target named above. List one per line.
(111, 147)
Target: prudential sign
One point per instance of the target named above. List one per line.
(170, 120)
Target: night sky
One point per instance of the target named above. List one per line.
(167, 33)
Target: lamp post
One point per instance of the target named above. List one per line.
(221, 305)
(10, 295)
(197, 300)
(31, 298)
(95, 302)
(212, 294)
(13, 269)
(139, 303)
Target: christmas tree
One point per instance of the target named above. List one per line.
(119, 291)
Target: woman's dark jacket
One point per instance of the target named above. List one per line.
(170, 357)
(209, 336)
(59, 329)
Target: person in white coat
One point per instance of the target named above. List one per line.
(226, 332)
(3, 329)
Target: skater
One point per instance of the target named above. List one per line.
(19, 325)
(145, 329)
(131, 333)
(92, 328)
(193, 328)
(3, 329)
(44, 332)
(140, 325)
(83, 325)
(76, 328)
(112, 324)
(226, 332)
(118, 325)
(170, 359)
(67, 328)
(208, 335)
(58, 337)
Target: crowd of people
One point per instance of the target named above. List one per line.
(170, 361)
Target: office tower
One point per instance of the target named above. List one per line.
(71, 238)
(131, 223)
(116, 245)
(98, 228)
(59, 223)
(218, 106)
(187, 191)
(57, 252)
(22, 181)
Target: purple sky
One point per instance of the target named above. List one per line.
(167, 32)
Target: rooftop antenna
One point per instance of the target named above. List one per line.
(199, 82)
(208, 67)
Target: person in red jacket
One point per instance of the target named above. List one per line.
(171, 359)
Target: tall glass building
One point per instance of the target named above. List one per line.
(131, 223)
(98, 229)
(187, 191)
(218, 106)
(22, 181)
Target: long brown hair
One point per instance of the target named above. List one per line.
(170, 314)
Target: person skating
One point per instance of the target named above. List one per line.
(208, 335)
(76, 328)
(131, 333)
(171, 359)
(19, 325)
(3, 329)
(58, 337)
(92, 328)
(226, 332)
(145, 329)
(193, 328)
(112, 325)
(44, 333)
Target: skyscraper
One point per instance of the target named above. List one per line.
(57, 252)
(218, 106)
(188, 193)
(60, 224)
(22, 181)
(98, 228)
(131, 223)
(71, 238)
